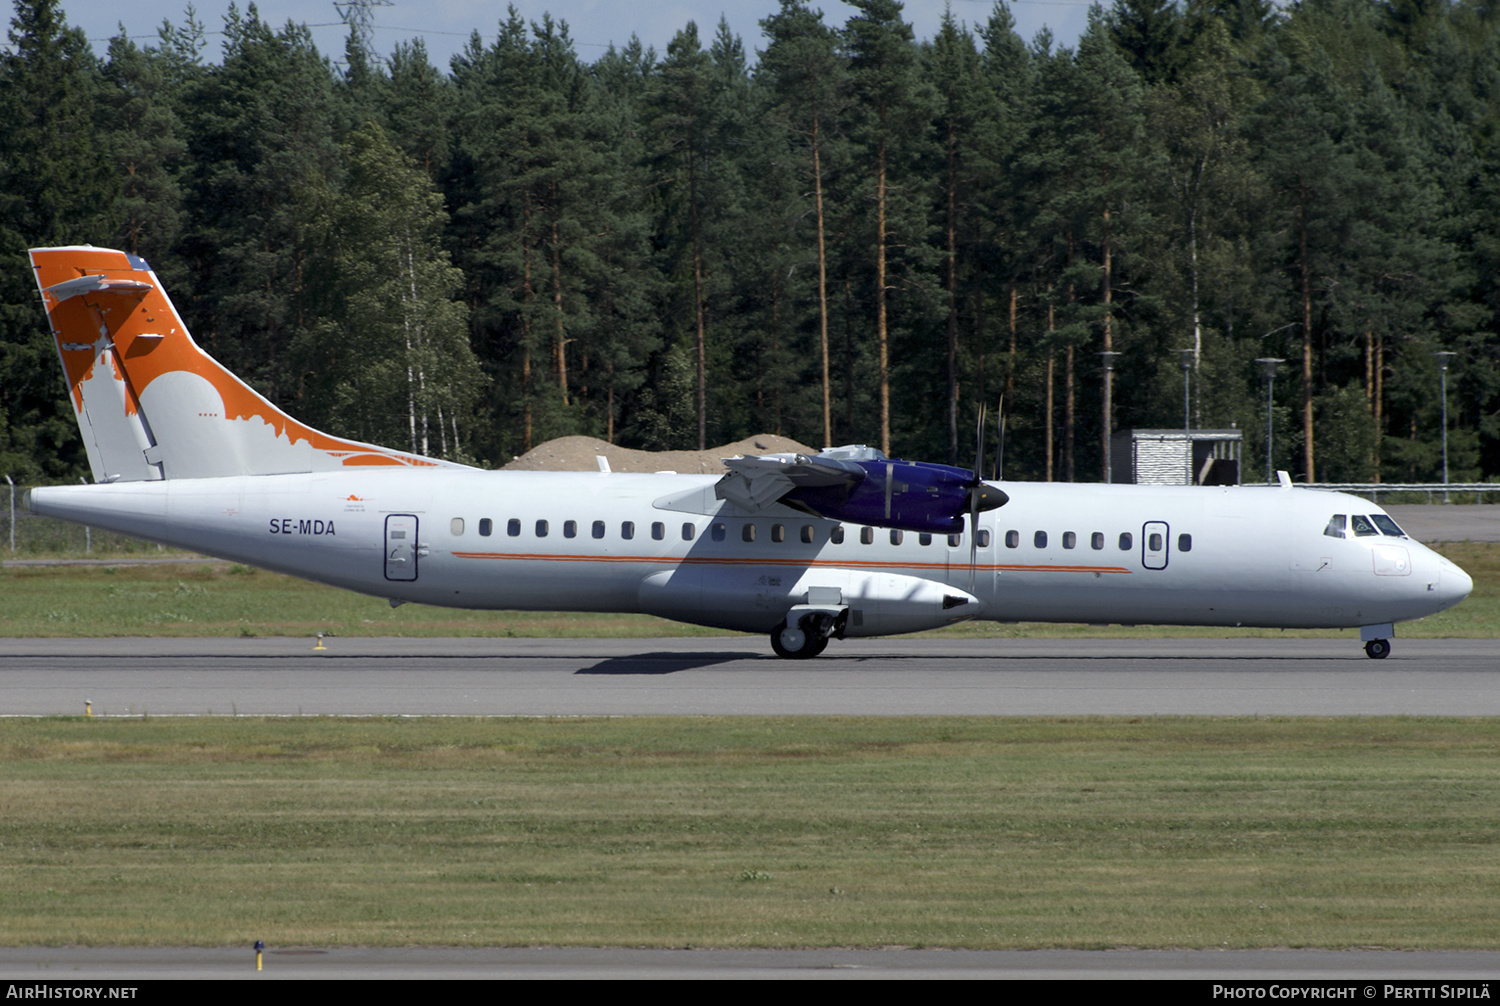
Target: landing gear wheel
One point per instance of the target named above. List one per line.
(791, 643)
(1378, 649)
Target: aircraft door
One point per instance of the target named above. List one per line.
(1155, 544)
(400, 546)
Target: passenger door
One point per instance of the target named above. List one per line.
(401, 546)
(1155, 544)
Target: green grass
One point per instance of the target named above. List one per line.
(750, 831)
(221, 599)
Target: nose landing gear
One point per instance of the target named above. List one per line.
(1377, 639)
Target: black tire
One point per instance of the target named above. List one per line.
(1378, 649)
(811, 645)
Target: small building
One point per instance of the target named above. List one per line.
(1176, 457)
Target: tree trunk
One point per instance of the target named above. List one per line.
(1109, 345)
(822, 273)
(1304, 267)
(880, 309)
(698, 299)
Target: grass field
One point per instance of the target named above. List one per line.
(752, 832)
(221, 599)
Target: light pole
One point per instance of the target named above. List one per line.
(1268, 365)
(1444, 358)
(1186, 356)
(1108, 359)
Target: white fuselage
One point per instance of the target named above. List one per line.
(665, 545)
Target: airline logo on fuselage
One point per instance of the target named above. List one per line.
(293, 525)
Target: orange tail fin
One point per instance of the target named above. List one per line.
(150, 403)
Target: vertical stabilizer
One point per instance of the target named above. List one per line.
(150, 403)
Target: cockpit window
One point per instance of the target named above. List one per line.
(1387, 526)
(1362, 526)
(1335, 528)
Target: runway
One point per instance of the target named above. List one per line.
(738, 676)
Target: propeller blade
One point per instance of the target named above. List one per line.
(1000, 438)
(974, 491)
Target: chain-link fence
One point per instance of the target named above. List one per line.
(31, 536)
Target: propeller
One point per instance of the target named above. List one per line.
(1000, 442)
(976, 489)
(981, 496)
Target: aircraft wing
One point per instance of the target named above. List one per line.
(756, 482)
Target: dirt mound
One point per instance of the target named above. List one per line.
(578, 454)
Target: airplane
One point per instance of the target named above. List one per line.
(802, 547)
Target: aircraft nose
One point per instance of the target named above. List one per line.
(1453, 584)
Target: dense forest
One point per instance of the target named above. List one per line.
(839, 233)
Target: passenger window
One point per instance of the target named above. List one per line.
(1012, 539)
(1335, 528)
(837, 535)
(1097, 541)
(896, 536)
(1039, 540)
(627, 529)
(513, 527)
(955, 540)
(485, 527)
(867, 536)
(570, 529)
(748, 532)
(1070, 540)
(598, 529)
(984, 539)
(687, 532)
(718, 532)
(1184, 543)
(1362, 526)
(541, 529)
(658, 531)
(456, 525)
(924, 539)
(778, 533)
(1127, 541)
(809, 535)
(1153, 542)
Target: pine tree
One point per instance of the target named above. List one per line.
(882, 74)
(802, 69)
(262, 129)
(1300, 130)
(54, 189)
(684, 128)
(148, 147)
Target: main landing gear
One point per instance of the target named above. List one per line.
(1378, 649)
(791, 643)
(807, 633)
